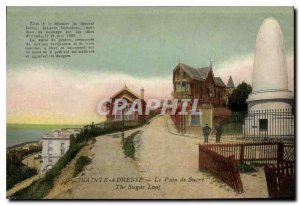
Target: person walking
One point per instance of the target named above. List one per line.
(206, 131)
(218, 132)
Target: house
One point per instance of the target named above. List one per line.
(130, 97)
(54, 145)
(198, 83)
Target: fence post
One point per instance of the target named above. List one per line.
(280, 152)
(236, 178)
(242, 153)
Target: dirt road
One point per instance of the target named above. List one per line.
(167, 155)
(167, 164)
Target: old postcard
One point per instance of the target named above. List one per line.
(150, 103)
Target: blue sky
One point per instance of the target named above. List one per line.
(136, 46)
(146, 42)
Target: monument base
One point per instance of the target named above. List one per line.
(266, 124)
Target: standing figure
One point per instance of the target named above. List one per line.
(206, 131)
(218, 132)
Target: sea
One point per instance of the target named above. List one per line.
(17, 134)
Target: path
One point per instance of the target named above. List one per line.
(22, 185)
(108, 162)
(164, 154)
(161, 155)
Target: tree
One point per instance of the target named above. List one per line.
(237, 100)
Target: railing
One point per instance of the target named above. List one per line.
(110, 126)
(223, 167)
(118, 125)
(281, 180)
(182, 94)
(261, 125)
(263, 152)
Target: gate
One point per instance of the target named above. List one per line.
(281, 179)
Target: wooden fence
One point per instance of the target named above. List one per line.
(257, 152)
(281, 179)
(220, 160)
(223, 167)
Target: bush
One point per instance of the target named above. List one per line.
(244, 168)
(80, 164)
(129, 146)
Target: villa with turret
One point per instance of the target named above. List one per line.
(210, 90)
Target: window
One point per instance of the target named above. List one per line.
(62, 145)
(50, 149)
(263, 124)
(50, 161)
(182, 87)
(195, 120)
(178, 89)
(211, 92)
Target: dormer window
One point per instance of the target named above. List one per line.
(183, 87)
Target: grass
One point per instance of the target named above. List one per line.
(80, 164)
(245, 168)
(129, 146)
(232, 128)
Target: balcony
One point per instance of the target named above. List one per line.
(182, 94)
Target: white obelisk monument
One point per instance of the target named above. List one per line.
(269, 80)
(269, 83)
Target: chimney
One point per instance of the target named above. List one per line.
(142, 93)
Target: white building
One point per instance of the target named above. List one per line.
(270, 102)
(55, 144)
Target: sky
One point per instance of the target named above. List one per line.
(138, 47)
